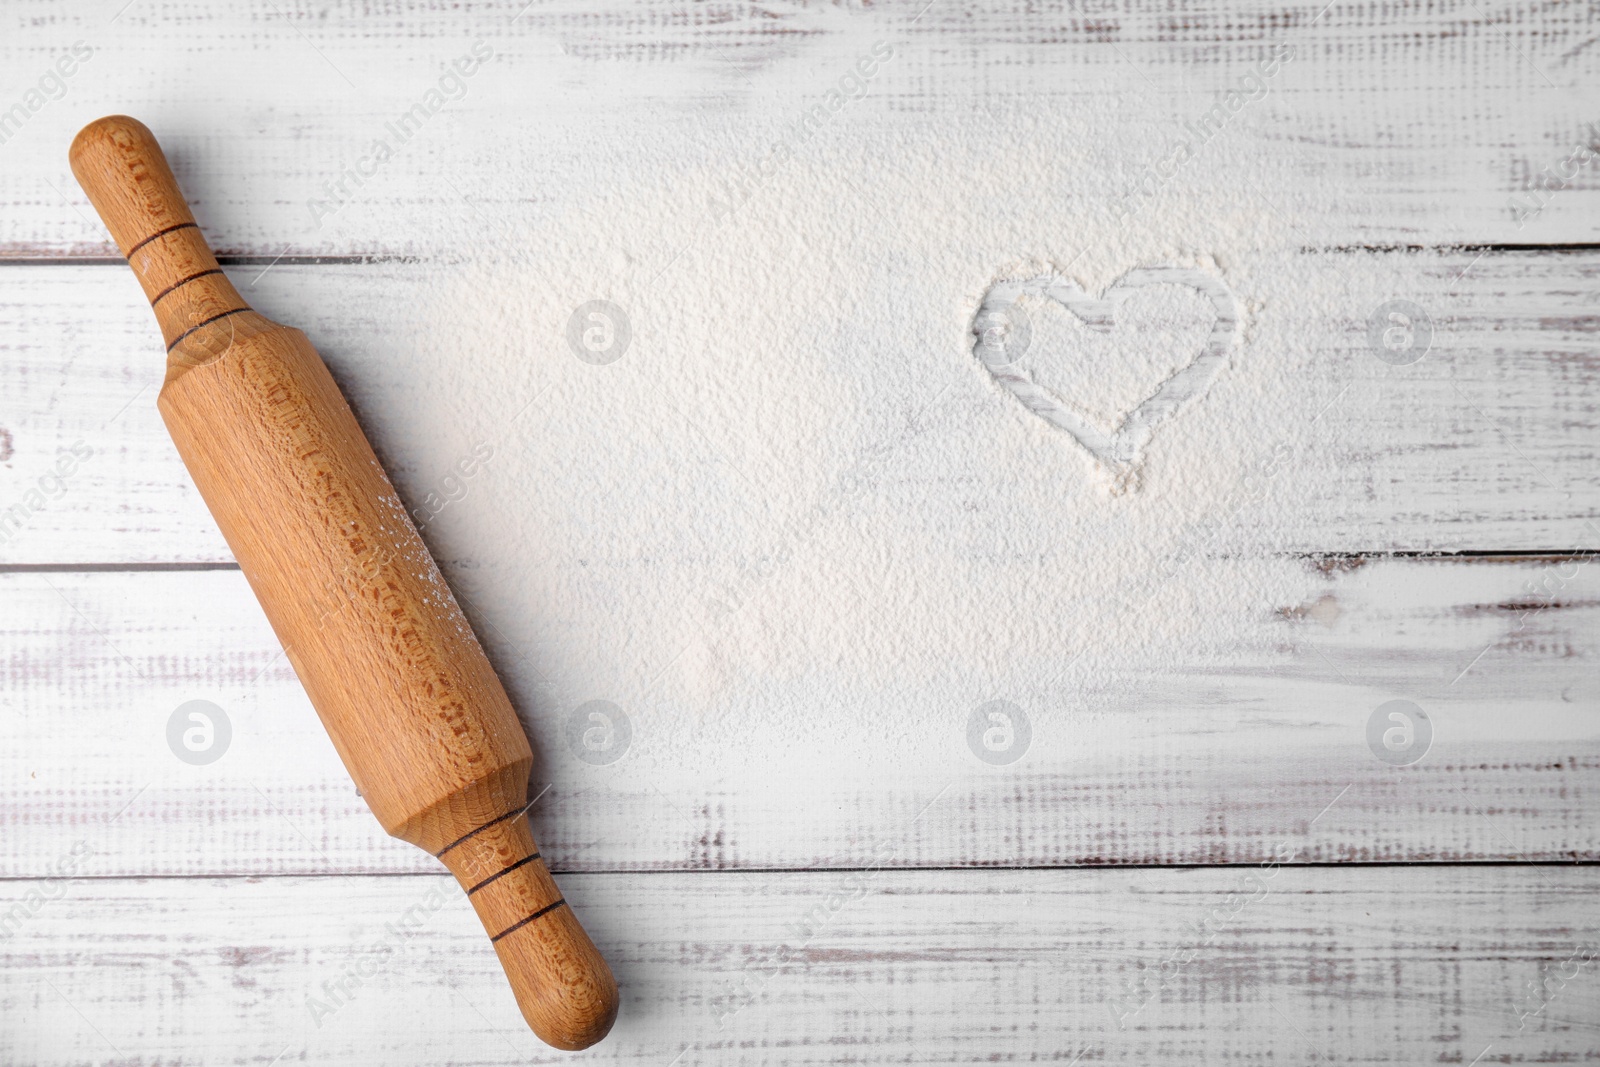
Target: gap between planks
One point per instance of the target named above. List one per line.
(972, 868)
(361, 259)
(1491, 555)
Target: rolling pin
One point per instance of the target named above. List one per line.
(374, 633)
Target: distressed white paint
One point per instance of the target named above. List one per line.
(1212, 760)
(1490, 442)
(1365, 965)
(1391, 126)
(1394, 124)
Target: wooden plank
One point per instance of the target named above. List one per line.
(1389, 125)
(1488, 443)
(1204, 754)
(1369, 966)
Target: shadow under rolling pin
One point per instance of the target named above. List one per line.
(376, 637)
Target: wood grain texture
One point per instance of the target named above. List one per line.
(1293, 965)
(388, 659)
(1397, 123)
(1209, 761)
(121, 168)
(1489, 443)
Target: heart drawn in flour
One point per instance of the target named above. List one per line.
(1003, 333)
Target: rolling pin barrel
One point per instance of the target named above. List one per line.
(374, 633)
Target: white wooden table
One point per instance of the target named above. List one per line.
(812, 895)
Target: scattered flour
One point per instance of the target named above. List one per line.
(798, 517)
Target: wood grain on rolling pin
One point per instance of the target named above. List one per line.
(384, 652)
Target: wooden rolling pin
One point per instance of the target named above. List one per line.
(373, 631)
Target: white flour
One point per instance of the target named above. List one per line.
(798, 515)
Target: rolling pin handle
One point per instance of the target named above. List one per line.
(125, 174)
(562, 984)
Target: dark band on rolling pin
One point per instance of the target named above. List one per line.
(205, 322)
(519, 924)
(181, 282)
(497, 819)
(161, 233)
(502, 872)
